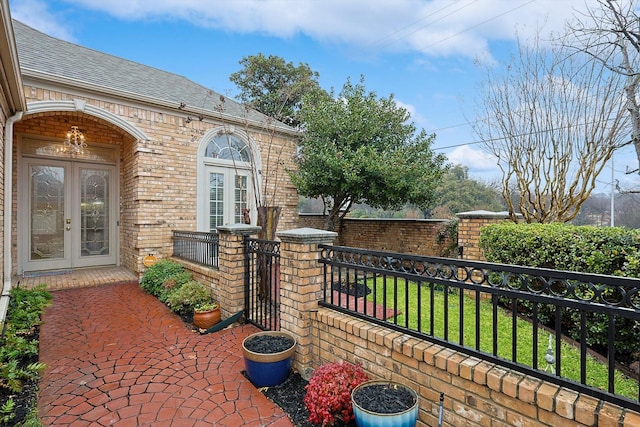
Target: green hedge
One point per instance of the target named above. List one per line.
(586, 249)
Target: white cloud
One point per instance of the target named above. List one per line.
(416, 117)
(474, 158)
(36, 14)
(432, 27)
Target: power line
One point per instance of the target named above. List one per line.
(504, 138)
(480, 23)
(423, 26)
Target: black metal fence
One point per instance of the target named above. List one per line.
(262, 283)
(199, 247)
(544, 323)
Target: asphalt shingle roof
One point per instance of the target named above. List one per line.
(39, 53)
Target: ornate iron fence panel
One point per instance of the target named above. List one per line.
(199, 247)
(262, 283)
(489, 310)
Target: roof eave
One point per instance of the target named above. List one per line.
(10, 78)
(150, 101)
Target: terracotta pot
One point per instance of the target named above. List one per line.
(268, 369)
(206, 319)
(368, 418)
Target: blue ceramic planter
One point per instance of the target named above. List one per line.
(367, 418)
(268, 369)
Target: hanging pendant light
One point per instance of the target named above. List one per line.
(75, 141)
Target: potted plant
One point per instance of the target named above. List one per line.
(328, 394)
(268, 356)
(381, 403)
(206, 315)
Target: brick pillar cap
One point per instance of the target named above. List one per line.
(239, 229)
(485, 214)
(307, 235)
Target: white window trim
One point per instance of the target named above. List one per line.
(205, 165)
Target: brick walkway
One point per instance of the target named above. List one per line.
(117, 356)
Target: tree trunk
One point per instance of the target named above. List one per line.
(268, 217)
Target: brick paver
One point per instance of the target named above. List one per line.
(117, 356)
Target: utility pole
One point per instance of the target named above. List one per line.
(613, 188)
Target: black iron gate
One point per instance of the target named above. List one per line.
(262, 283)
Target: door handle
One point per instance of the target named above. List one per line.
(68, 222)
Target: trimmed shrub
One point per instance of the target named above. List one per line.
(153, 279)
(172, 283)
(586, 249)
(186, 298)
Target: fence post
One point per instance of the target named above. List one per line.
(469, 226)
(231, 266)
(301, 282)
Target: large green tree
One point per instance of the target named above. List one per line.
(273, 86)
(459, 193)
(358, 148)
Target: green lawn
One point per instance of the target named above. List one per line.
(597, 372)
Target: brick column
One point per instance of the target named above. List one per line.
(469, 227)
(231, 267)
(301, 281)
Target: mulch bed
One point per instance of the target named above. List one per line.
(289, 396)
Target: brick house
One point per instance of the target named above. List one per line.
(162, 153)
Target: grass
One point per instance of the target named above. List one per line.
(413, 299)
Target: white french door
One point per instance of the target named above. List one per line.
(67, 214)
(228, 193)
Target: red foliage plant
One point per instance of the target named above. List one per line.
(328, 396)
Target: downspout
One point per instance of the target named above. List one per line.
(8, 204)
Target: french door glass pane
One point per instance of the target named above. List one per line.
(47, 212)
(216, 200)
(240, 205)
(94, 212)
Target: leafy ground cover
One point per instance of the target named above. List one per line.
(19, 366)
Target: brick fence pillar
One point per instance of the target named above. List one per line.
(231, 267)
(469, 226)
(301, 282)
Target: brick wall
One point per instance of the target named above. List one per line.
(477, 393)
(415, 236)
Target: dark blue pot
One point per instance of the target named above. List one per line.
(268, 369)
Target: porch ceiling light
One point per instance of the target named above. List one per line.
(75, 141)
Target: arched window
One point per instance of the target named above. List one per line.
(228, 146)
(226, 185)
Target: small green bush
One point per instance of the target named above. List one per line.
(153, 279)
(328, 394)
(174, 282)
(27, 307)
(186, 298)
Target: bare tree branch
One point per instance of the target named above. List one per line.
(553, 119)
(610, 34)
